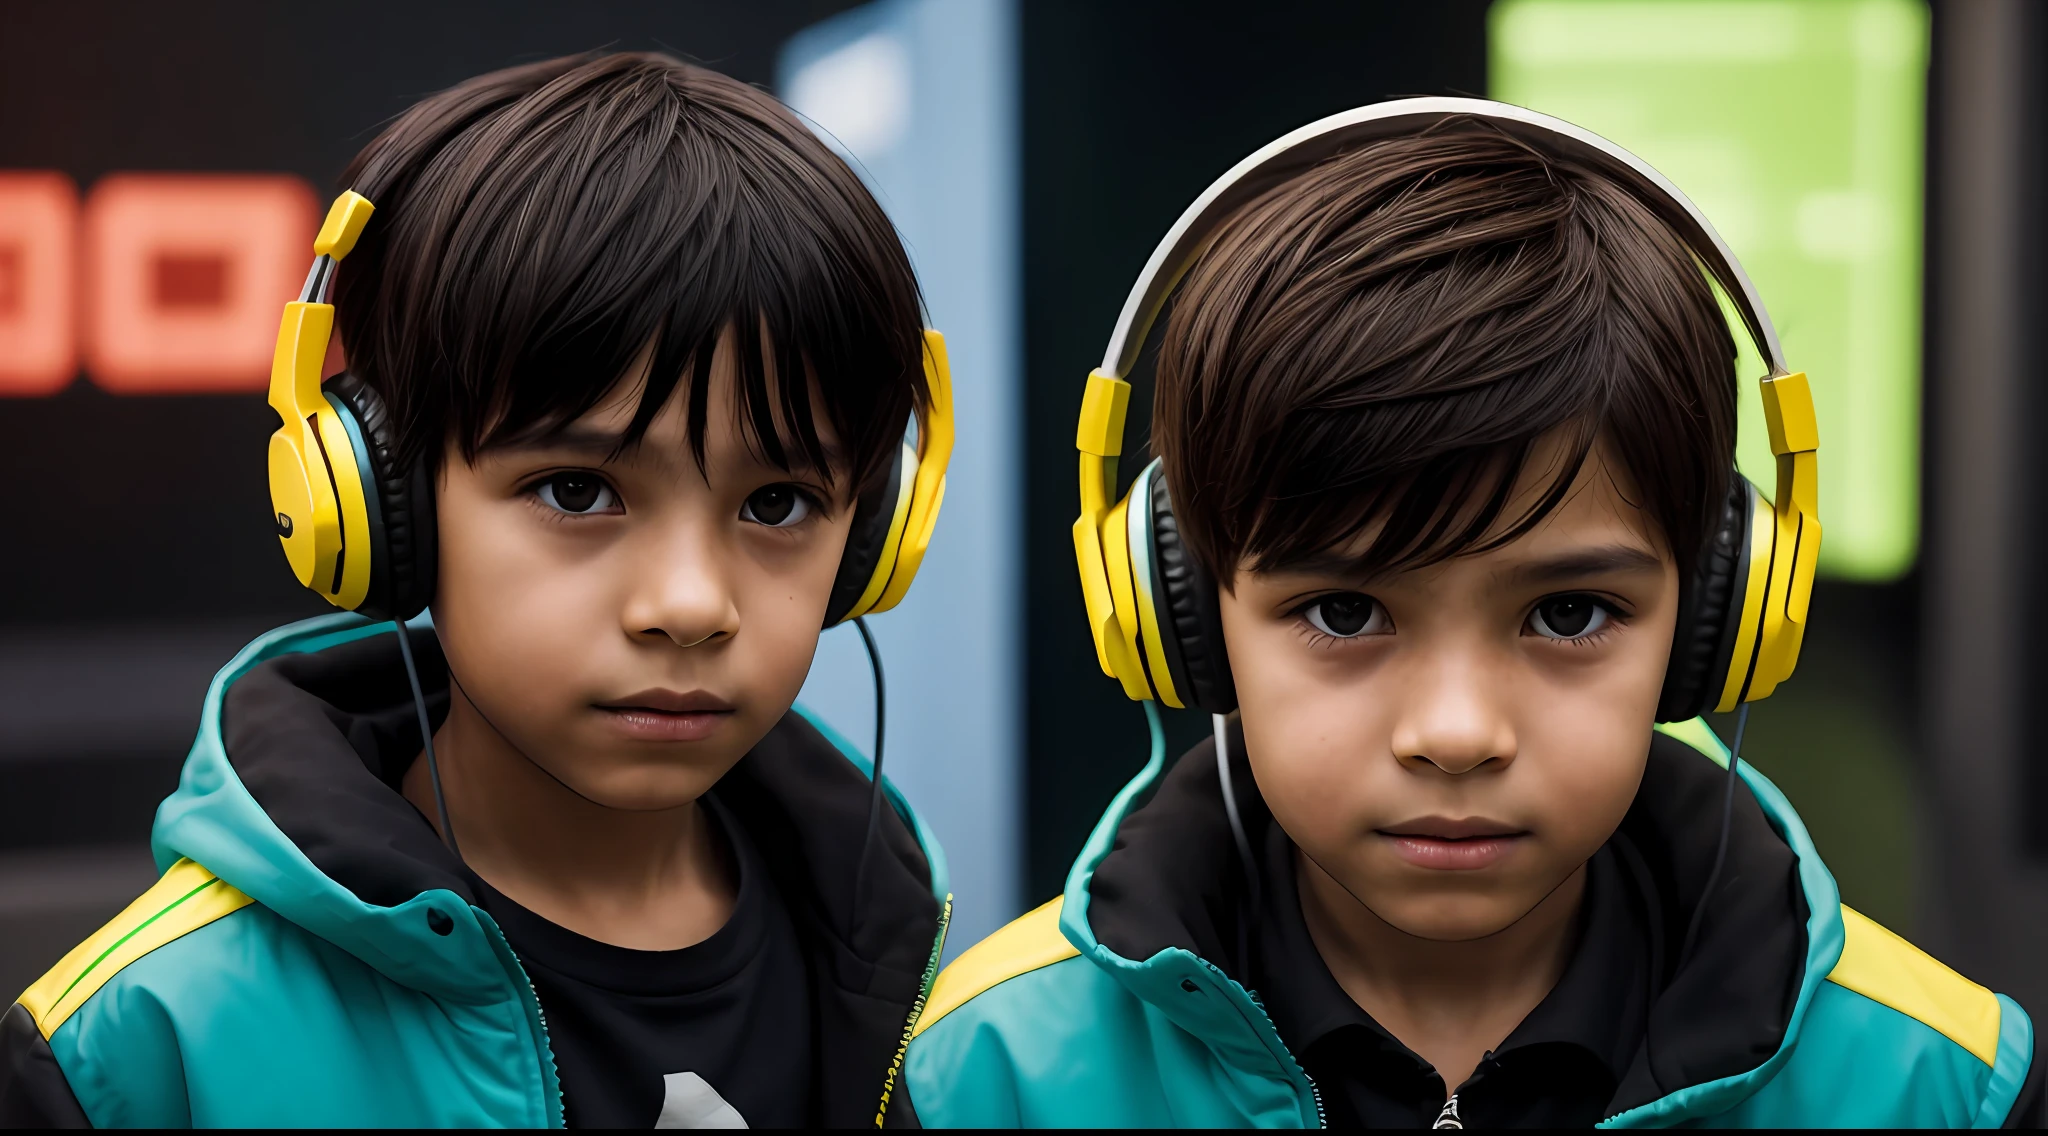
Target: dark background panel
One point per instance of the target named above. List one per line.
(1983, 904)
(1130, 111)
(2031, 295)
(239, 86)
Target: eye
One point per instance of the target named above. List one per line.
(1347, 615)
(777, 506)
(1568, 617)
(577, 494)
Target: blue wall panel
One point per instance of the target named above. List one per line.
(922, 96)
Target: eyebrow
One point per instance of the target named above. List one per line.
(1598, 561)
(603, 445)
(1601, 561)
(1339, 564)
(578, 438)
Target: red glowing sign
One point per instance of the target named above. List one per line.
(186, 274)
(38, 290)
(163, 283)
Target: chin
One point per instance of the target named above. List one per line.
(642, 790)
(1443, 919)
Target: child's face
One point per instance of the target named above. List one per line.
(1450, 744)
(631, 624)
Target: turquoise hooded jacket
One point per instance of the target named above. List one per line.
(251, 987)
(1045, 1024)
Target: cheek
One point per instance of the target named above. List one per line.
(1578, 788)
(1317, 743)
(782, 605)
(1312, 745)
(1605, 704)
(1279, 682)
(516, 611)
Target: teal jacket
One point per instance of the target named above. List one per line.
(1794, 1011)
(312, 955)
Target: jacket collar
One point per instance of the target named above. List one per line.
(288, 794)
(1156, 893)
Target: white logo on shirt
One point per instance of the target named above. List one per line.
(688, 1102)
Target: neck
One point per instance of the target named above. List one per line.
(649, 880)
(1449, 1002)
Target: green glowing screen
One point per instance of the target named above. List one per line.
(1797, 126)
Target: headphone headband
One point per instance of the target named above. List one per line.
(1748, 596)
(1300, 150)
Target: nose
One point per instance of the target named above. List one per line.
(681, 593)
(1450, 717)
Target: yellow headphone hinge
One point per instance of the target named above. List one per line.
(321, 513)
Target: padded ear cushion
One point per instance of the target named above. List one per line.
(869, 540)
(1190, 616)
(403, 559)
(1709, 611)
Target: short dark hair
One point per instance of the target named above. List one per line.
(1384, 338)
(538, 227)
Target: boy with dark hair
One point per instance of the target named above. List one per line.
(631, 356)
(1444, 521)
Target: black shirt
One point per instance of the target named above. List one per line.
(1560, 1066)
(635, 1032)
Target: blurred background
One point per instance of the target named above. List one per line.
(162, 167)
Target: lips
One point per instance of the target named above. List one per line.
(667, 715)
(1445, 844)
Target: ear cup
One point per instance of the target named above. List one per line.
(1710, 611)
(403, 550)
(868, 543)
(1190, 616)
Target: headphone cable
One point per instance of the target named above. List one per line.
(1721, 849)
(1221, 725)
(1251, 909)
(419, 705)
(867, 842)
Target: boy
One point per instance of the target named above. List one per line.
(631, 357)
(1447, 413)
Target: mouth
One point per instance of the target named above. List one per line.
(1444, 844)
(668, 715)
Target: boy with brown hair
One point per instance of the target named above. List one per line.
(1444, 524)
(630, 359)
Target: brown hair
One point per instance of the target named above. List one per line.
(1383, 339)
(538, 227)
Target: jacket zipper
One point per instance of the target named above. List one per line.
(931, 974)
(547, 1046)
(540, 1018)
(1315, 1091)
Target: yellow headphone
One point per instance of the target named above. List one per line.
(1153, 609)
(358, 526)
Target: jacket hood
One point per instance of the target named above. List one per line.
(290, 795)
(1158, 892)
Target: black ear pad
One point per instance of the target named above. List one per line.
(1709, 611)
(1190, 615)
(403, 559)
(867, 542)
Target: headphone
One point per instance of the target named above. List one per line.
(1153, 609)
(358, 526)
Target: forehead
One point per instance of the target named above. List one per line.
(728, 435)
(1596, 511)
(1599, 505)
